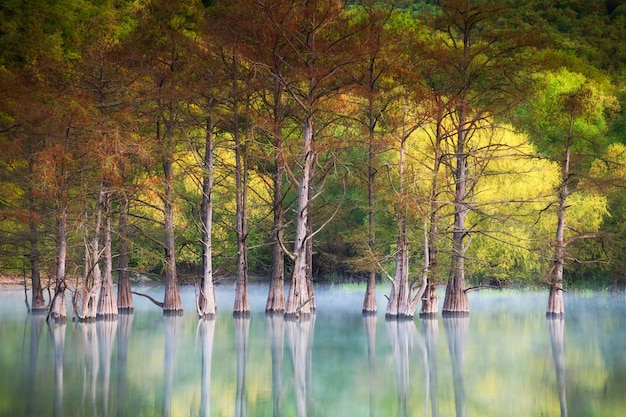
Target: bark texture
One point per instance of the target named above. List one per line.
(298, 301)
(172, 301)
(556, 307)
(124, 296)
(276, 296)
(455, 302)
(206, 303)
(107, 306)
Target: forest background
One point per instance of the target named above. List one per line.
(113, 113)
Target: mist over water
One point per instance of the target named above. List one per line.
(507, 359)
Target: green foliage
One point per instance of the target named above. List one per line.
(156, 53)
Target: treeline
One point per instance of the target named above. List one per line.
(473, 143)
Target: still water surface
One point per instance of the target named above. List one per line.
(507, 359)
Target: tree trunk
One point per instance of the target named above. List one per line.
(38, 302)
(556, 307)
(455, 302)
(85, 302)
(124, 295)
(398, 298)
(276, 295)
(107, 306)
(172, 302)
(298, 299)
(242, 302)
(58, 306)
(207, 306)
(369, 302)
(309, 263)
(430, 303)
(401, 301)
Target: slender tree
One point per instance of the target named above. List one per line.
(312, 36)
(372, 75)
(568, 121)
(483, 78)
(164, 34)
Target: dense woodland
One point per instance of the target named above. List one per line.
(420, 143)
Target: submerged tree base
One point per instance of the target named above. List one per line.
(241, 314)
(106, 317)
(299, 316)
(125, 310)
(172, 313)
(208, 316)
(369, 313)
(83, 319)
(454, 314)
(400, 318)
(552, 315)
(430, 316)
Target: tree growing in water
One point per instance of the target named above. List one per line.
(483, 78)
(568, 121)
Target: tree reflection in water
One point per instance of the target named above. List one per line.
(431, 333)
(456, 332)
(106, 328)
(85, 332)
(206, 326)
(369, 321)
(125, 326)
(276, 329)
(58, 336)
(242, 331)
(300, 337)
(556, 326)
(172, 324)
(404, 337)
(37, 320)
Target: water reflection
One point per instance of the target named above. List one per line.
(300, 337)
(556, 326)
(369, 321)
(125, 326)
(106, 328)
(147, 364)
(276, 329)
(57, 328)
(37, 322)
(431, 334)
(404, 337)
(456, 332)
(242, 332)
(207, 334)
(85, 333)
(171, 323)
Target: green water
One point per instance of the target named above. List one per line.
(507, 359)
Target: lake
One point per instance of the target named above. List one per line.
(506, 359)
